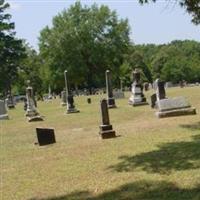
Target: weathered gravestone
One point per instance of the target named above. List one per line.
(106, 130)
(118, 94)
(89, 100)
(63, 98)
(110, 97)
(137, 98)
(153, 100)
(45, 136)
(3, 111)
(174, 107)
(10, 101)
(160, 89)
(31, 112)
(70, 99)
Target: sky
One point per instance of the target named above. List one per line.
(156, 23)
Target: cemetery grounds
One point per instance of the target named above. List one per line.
(157, 159)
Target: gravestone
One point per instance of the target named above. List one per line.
(31, 112)
(160, 89)
(110, 97)
(106, 130)
(63, 98)
(70, 99)
(118, 94)
(174, 107)
(153, 100)
(137, 98)
(45, 136)
(3, 111)
(10, 101)
(89, 100)
(146, 86)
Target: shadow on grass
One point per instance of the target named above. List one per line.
(195, 126)
(142, 190)
(168, 157)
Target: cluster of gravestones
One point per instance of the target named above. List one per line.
(167, 107)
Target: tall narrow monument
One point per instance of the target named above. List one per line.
(106, 130)
(31, 112)
(137, 98)
(110, 97)
(69, 97)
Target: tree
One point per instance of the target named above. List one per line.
(86, 41)
(11, 50)
(191, 6)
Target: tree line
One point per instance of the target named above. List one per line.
(87, 41)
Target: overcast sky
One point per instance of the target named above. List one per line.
(157, 23)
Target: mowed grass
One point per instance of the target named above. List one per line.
(157, 159)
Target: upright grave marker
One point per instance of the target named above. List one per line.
(31, 112)
(106, 130)
(110, 97)
(10, 101)
(69, 97)
(3, 111)
(137, 98)
(45, 136)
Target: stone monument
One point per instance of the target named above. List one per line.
(160, 89)
(137, 98)
(174, 107)
(69, 97)
(106, 130)
(3, 111)
(31, 112)
(45, 136)
(63, 98)
(110, 97)
(10, 101)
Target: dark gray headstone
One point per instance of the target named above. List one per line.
(153, 100)
(110, 97)
(45, 136)
(106, 130)
(160, 89)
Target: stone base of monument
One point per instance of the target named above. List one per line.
(11, 106)
(106, 131)
(72, 110)
(5, 116)
(63, 104)
(134, 101)
(33, 116)
(111, 103)
(174, 107)
(45, 136)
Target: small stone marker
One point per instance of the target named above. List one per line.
(137, 98)
(153, 100)
(3, 111)
(10, 101)
(63, 98)
(106, 130)
(119, 94)
(160, 89)
(89, 100)
(110, 97)
(174, 107)
(31, 113)
(45, 136)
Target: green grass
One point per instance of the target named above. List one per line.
(157, 159)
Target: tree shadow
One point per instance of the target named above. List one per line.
(195, 126)
(142, 190)
(168, 157)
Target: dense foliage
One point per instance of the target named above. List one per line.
(11, 51)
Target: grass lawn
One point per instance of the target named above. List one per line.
(157, 159)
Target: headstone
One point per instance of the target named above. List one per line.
(160, 89)
(63, 98)
(146, 86)
(45, 136)
(118, 94)
(110, 97)
(137, 98)
(31, 112)
(49, 93)
(3, 111)
(70, 99)
(10, 101)
(153, 100)
(106, 130)
(174, 107)
(89, 100)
